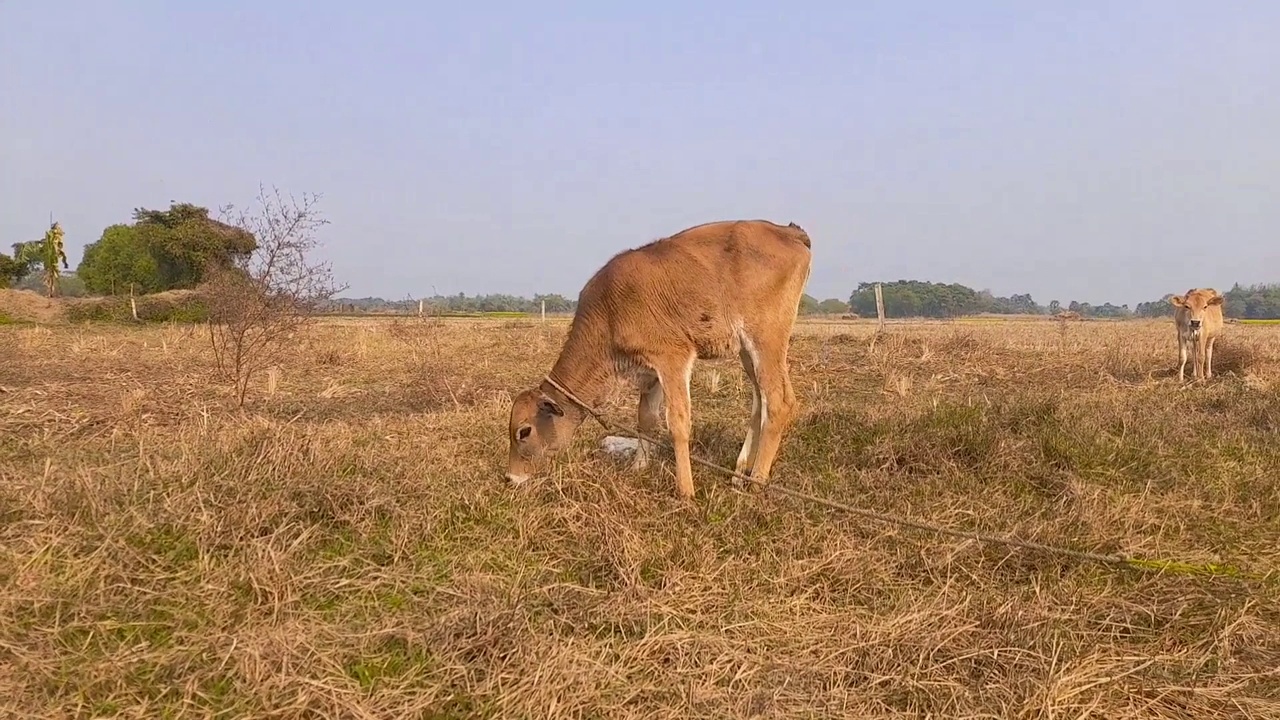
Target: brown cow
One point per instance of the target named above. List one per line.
(708, 292)
(1198, 319)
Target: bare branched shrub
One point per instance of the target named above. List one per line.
(263, 298)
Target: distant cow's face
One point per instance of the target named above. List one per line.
(1195, 305)
(537, 426)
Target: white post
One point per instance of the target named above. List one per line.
(544, 311)
(420, 307)
(133, 305)
(879, 307)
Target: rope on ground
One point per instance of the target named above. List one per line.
(1174, 566)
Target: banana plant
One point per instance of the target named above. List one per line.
(46, 252)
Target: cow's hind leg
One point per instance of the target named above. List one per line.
(778, 406)
(751, 444)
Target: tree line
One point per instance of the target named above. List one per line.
(916, 298)
(902, 299)
(501, 302)
(179, 247)
(460, 303)
(1246, 302)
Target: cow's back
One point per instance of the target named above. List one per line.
(700, 285)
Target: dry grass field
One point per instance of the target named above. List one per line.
(346, 547)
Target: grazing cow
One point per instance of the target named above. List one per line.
(1198, 318)
(708, 292)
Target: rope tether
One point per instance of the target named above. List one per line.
(1175, 566)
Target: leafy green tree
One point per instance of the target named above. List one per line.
(1253, 302)
(11, 270)
(163, 250)
(915, 298)
(808, 305)
(833, 306)
(1022, 304)
(1107, 310)
(555, 303)
(185, 242)
(118, 261)
(1155, 308)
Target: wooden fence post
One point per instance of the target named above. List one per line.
(879, 307)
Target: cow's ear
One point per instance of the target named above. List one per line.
(547, 406)
(1216, 300)
(1178, 301)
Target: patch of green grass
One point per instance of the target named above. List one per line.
(168, 542)
(107, 636)
(390, 658)
(219, 697)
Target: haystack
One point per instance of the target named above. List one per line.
(27, 306)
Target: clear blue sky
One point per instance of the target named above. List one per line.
(1099, 151)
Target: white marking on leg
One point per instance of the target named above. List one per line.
(759, 403)
(751, 427)
(1182, 359)
(688, 380)
(754, 354)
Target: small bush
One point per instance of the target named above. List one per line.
(98, 311)
(191, 309)
(160, 308)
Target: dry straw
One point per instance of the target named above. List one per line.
(1164, 565)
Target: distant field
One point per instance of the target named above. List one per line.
(476, 315)
(346, 547)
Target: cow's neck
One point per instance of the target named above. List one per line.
(584, 368)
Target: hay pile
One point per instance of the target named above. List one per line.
(27, 306)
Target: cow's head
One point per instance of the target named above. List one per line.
(1196, 304)
(539, 426)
